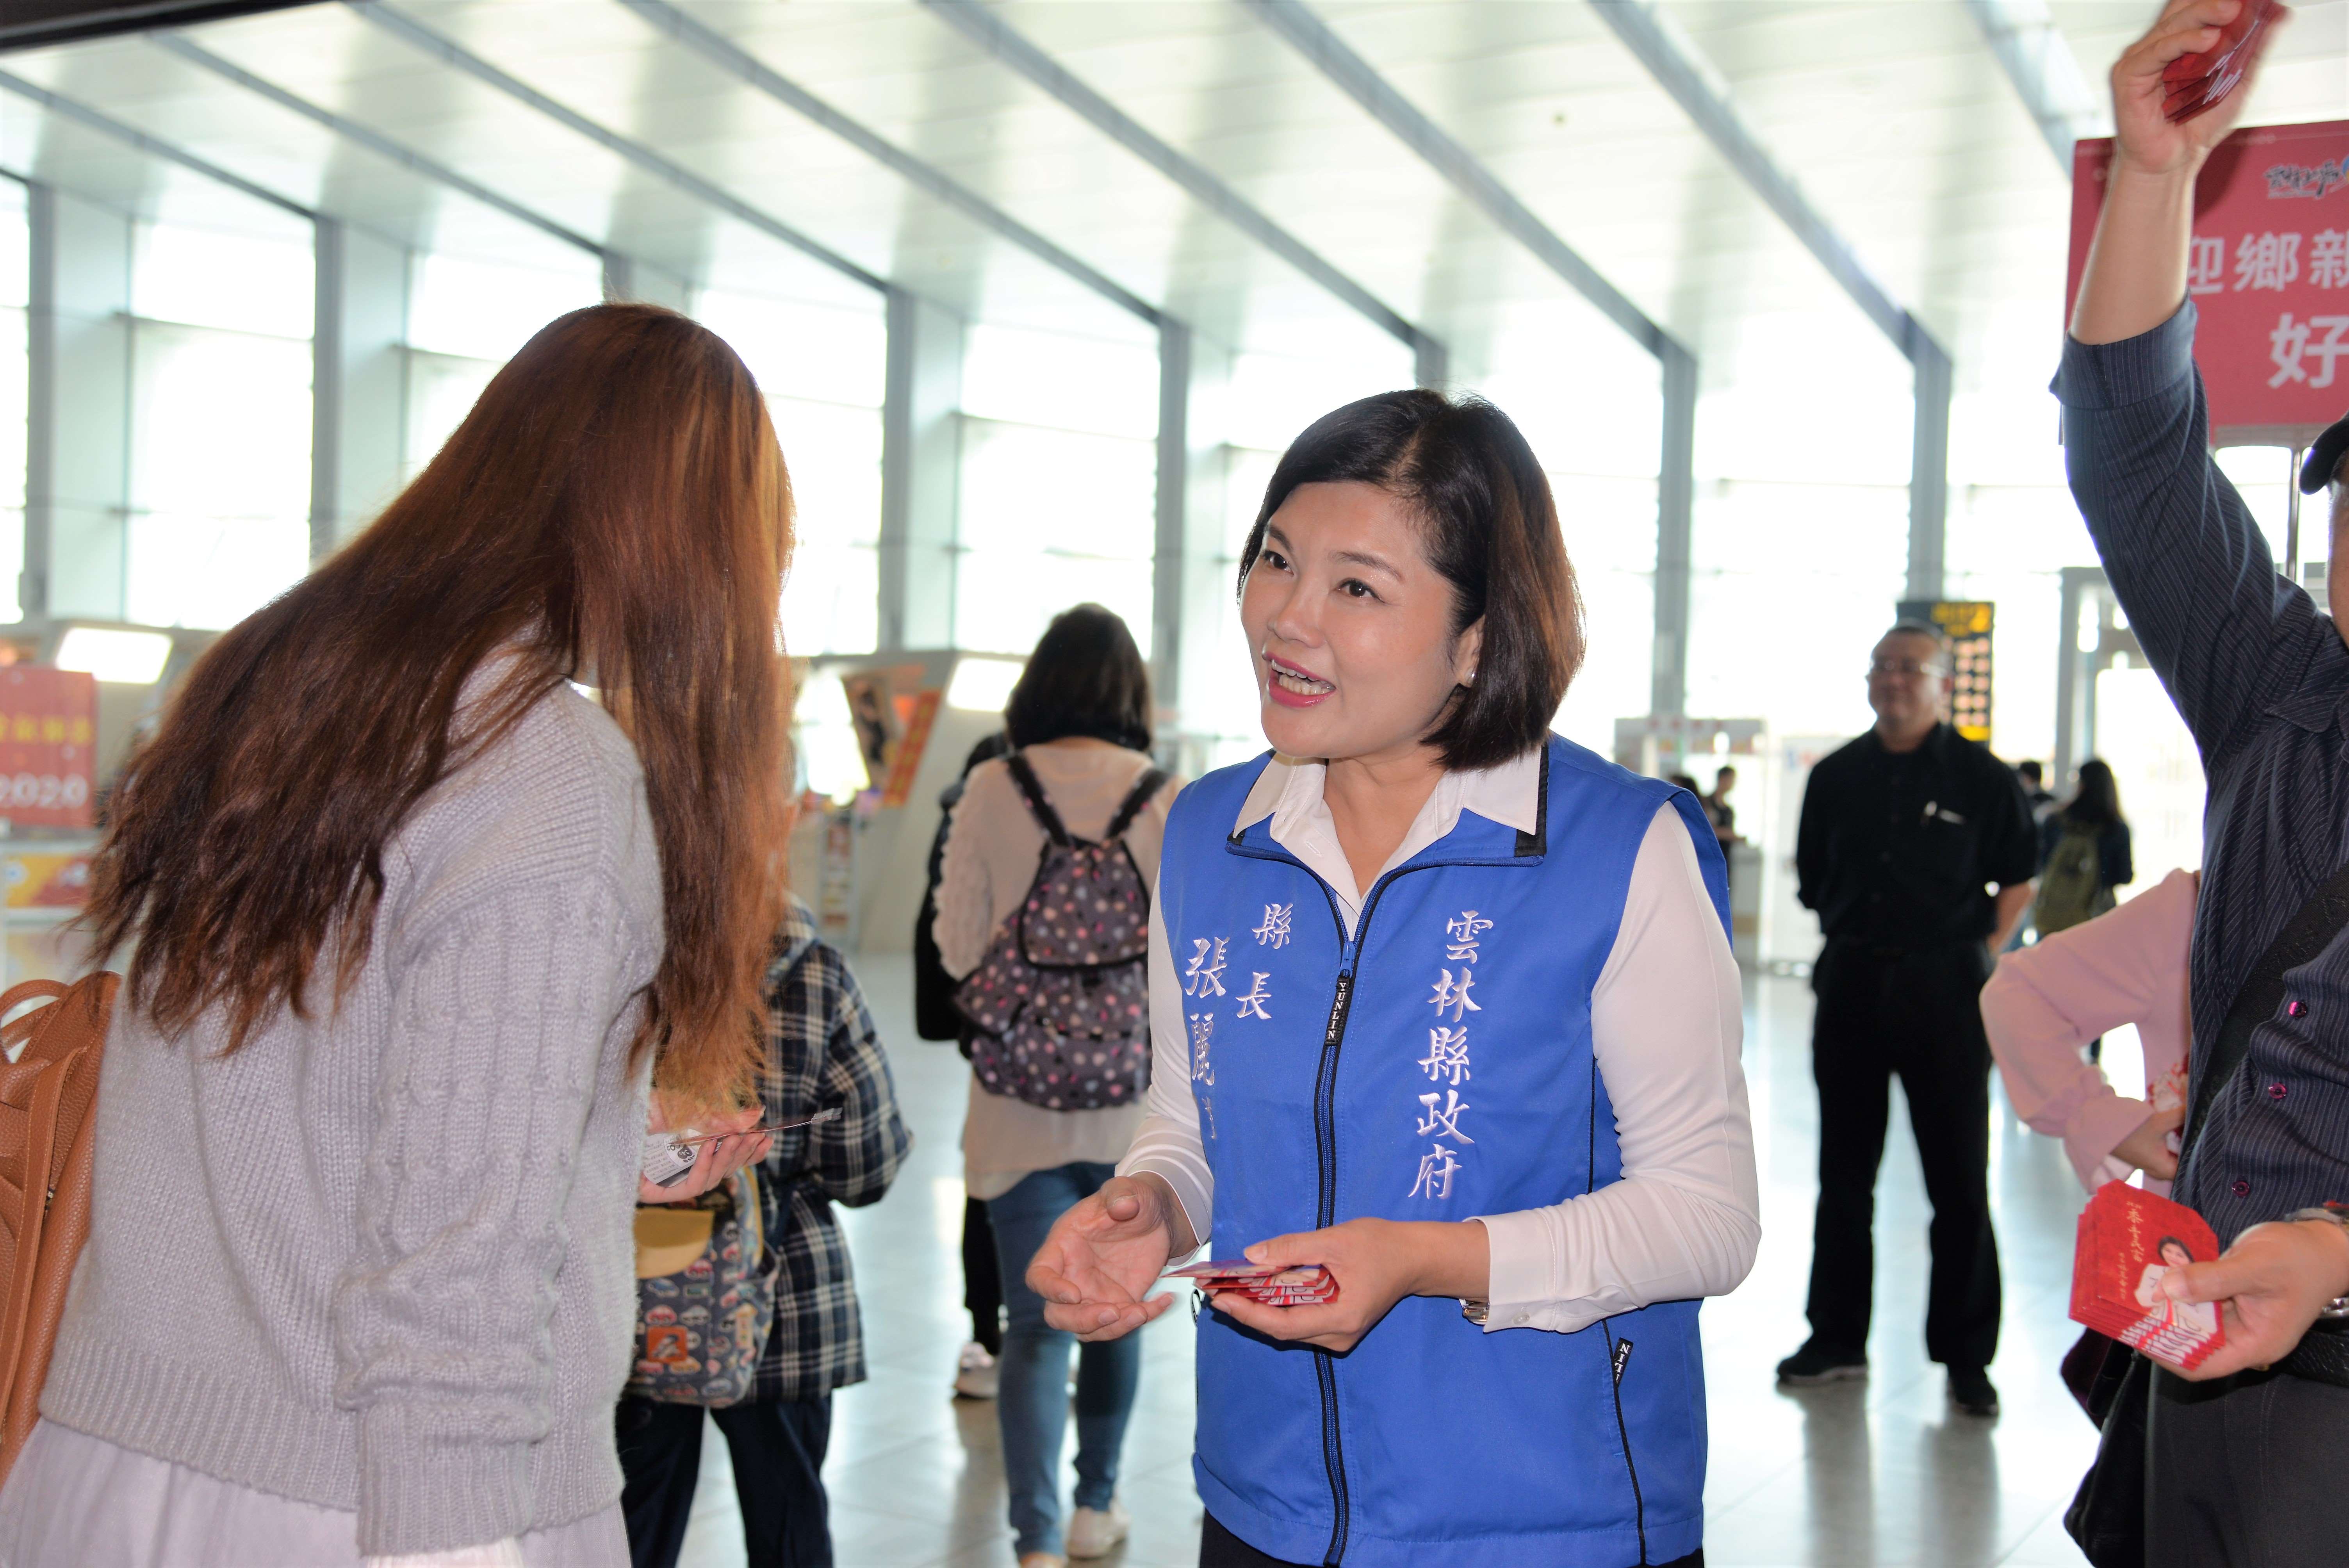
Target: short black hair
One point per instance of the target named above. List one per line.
(1491, 528)
(2030, 770)
(1085, 678)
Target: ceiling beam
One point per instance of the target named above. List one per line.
(976, 21)
(38, 23)
(1361, 81)
(83, 115)
(1683, 73)
(374, 141)
(2039, 61)
(423, 39)
(731, 58)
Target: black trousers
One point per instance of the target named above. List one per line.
(777, 1451)
(2245, 1471)
(982, 1277)
(1219, 1548)
(1916, 1015)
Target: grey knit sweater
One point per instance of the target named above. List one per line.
(383, 1260)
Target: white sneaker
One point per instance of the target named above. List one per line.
(975, 1373)
(1093, 1531)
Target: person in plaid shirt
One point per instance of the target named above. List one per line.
(823, 1054)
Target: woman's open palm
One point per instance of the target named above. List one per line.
(1100, 1258)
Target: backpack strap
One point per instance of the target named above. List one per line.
(1145, 789)
(1031, 789)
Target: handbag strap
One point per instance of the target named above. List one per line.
(2307, 933)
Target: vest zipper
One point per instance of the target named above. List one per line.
(1325, 1211)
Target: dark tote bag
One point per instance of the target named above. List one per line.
(2107, 1514)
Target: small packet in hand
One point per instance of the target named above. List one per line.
(1272, 1284)
(669, 1157)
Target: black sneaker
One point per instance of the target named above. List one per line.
(1970, 1391)
(1812, 1365)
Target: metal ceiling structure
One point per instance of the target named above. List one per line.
(383, 146)
(2036, 58)
(983, 26)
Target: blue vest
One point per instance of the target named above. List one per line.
(1436, 1067)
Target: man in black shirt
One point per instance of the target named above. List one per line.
(1902, 831)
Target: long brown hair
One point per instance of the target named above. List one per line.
(616, 508)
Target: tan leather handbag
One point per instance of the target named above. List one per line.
(48, 1099)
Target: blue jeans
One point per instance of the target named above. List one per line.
(1032, 1389)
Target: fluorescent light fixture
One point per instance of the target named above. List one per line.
(982, 685)
(114, 655)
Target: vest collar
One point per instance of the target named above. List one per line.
(1288, 790)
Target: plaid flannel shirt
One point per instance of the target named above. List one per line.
(824, 1053)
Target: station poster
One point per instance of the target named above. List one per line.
(49, 734)
(2269, 274)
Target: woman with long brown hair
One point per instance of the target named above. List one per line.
(415, 921)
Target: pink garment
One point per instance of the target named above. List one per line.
(2044, 1002)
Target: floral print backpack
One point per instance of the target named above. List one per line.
(1061, 999)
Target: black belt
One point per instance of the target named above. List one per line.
(2322, 1354)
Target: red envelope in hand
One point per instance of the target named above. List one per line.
(2128, 1239)
(2199, 83)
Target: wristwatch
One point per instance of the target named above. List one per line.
(1476, 1312)
(2337, 1309)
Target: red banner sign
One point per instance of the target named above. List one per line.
(48, 736)
(2269, 273)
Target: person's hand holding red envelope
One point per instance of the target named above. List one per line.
(2167, 88)
(1329, 1287)
(2199, 82)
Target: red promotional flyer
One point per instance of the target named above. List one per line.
(2128, 1240)
(2269, 274)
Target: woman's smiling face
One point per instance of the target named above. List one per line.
(1350, 626)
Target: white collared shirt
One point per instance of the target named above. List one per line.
(1667, 1026)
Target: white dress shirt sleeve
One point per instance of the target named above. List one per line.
(1667, 1023)
(1168, 1144)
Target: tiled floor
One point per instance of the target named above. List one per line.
(1866, 1475)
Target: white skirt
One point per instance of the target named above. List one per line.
(77, 1502)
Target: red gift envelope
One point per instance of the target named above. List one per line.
(2200, 83)
(1273, 1284)
(2128, 1240)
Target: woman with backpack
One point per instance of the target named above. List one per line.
(415, 921)
(1043, 915)
(1444, 1005)
(2084, 853)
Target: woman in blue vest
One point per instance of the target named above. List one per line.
(1445, 1003)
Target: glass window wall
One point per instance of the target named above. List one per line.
(824, 370)
(465, 319)
(1058, 484)
(219, 423)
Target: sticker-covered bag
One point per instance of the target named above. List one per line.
(1061, 999)
(705, 1296)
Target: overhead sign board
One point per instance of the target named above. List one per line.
(2269, 273)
